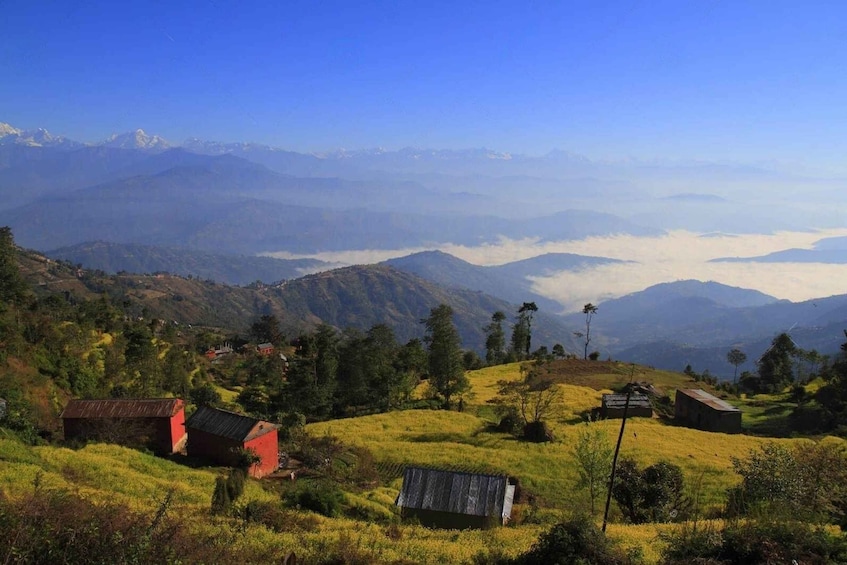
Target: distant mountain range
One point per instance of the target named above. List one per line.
(227, 204)
(510, 281)
(113, 258)
(831, 250)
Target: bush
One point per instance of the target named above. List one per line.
(511, 422)
(652, 495)
(537, 431)
(323, 497)
(754, 541)
(575, 542)
(274, 517)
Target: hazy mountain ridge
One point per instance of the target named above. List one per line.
(509, 281)
(229, 269)
(352, 297)
(514, 185)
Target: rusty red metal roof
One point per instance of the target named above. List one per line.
(226, 424)
(123, 408)
(708, 399)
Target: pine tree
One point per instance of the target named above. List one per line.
(446, 371)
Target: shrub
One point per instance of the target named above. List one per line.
(754, 541)
(652, 495)
(575, 542)
(274, 517)
(511, 422)
(537, 431)
(323, 497)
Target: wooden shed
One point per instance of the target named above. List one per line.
(612, 406)
(455, 500)
(697, 408)
(219, 436)
(156, 423)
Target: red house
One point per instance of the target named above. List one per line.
(155, 423)
(265, 348)
(218, 435)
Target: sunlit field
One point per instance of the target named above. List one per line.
(456, 440)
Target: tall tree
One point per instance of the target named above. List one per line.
(446, 371)
(736, 357)
(589, 310)
(527, 309)
(267, 329)
(776, 365)
(12, 287)
(495, 340)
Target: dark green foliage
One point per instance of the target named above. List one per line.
(807, 482)
(471, 361)
(776, 365)
(828, 412)
(267, 329)
(655, 494)
(446, 373)
(221, 502)
(537, 431)
(279, 519)
(323, 497)
(752, 542)
(736, 357)
(13, 289)
(227, 490)
(575, 542)
(495, 339)
(510, 422)
(204, 395)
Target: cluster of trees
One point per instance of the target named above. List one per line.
(85, 348)
(519, 347)
(335, 374)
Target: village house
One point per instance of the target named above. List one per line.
(155, 423)
(612, 406)
(265, 348)
(215, 352)
(455, 500)
(220, 436)
(697, 408)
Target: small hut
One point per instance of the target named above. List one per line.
(697, 408)
(455, 500)
(613, 406)
(219, 436)
(156, 423)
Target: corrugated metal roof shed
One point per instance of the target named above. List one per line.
(457, 492)
(226, 424)
(708, 399)
(123, 408)
(619, 401)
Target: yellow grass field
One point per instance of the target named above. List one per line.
(423, 437)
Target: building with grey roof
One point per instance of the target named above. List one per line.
(697, 408)
(456, 500)
(613, 405)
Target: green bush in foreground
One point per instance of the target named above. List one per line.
(753, 542)
(575, 542)
(323, 497)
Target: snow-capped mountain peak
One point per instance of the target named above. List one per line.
(136, 140)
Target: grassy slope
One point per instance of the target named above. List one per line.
(452, 439)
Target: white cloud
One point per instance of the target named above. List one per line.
(677, 255)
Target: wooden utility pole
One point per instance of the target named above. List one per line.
(617, 450)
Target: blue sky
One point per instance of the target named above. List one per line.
(737, 81)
